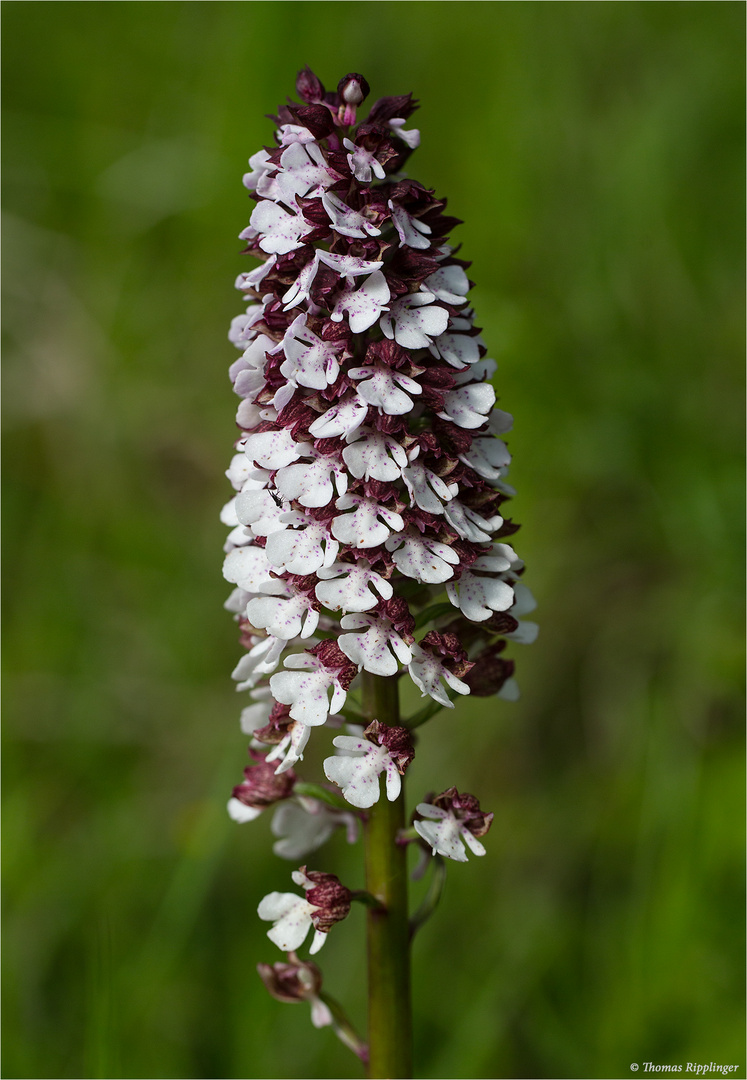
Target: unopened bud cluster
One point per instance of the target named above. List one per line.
(367, 529)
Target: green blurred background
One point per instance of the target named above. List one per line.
(594, 151)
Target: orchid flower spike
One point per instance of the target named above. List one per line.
(368, 537)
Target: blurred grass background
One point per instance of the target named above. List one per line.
(595, 152)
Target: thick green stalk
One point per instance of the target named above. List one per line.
(389, 1008)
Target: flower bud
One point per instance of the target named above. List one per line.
(261, 787)
(396, 740)
(489, 672)
(328, 895)
(298, 980)
(308, 86)
(353, 89)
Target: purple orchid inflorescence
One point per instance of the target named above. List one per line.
(367, 528)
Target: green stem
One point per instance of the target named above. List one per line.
(343, 1029)
(389, 1008)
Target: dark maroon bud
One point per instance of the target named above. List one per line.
(262, 786)
(313, 212)
(442, 644)
(308, 86)
(334, 659)
(508, 528)
(410, 191)
(315, 118)
(389, 425)
(454, 439)
(277, 727)
(284, 115)
(489, 673)
(466, 809)
(329, 896)
(326, 281)
(398, 612)
(440, 224)
(397, 741)
(297, 417)
(501, 623)
(387, 352)
(467, 552)
(298, 980)
(389, 108)
(336, 331)
(353, 89)
(411, 267)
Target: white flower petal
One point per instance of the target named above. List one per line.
(457, 350)
(368, 525)
(423, 559)
(343, 418)
(373, 456)
(280, 616)
(349, 266)
(239, 811)
(247, 567)
(524, 601)
(393, 782)
(310, 362)
(358, 776)
(376, 645)
(413, 324)
(444, 837)
(260, 164)
(410, 229)
(260, 511)
(302, 167)
(430, 811)
(300, 830)
(281, 231)
(363, 305)
(426, 671)
(478, 597)
(363, 162)
(509, 691)
(348, 587)
(378, 386)
(292, 917)
(312, 483)
(300, 289)
(426, 489)
(468, 407)
(305, 689)
(472, 842)
(469, 524)
(346, 221)
(301, 550)
(411, 137)
(273, 449)
(488, 457)
(449, 284)
(255, 716)
(320, 1014)
(319, 938)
